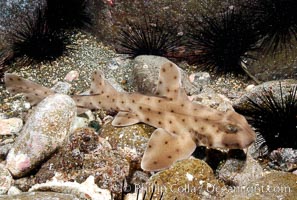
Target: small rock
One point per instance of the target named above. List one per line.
(71, 76)
(42, 134)
(5, 180)
(186, 179)
(4, 149)
(40, 196)
(200, 78)
(62, 87)
(13, 191)
(274, 185)
(132, 139)
(79, 122)
(237, 172)
(274, 86)
(213, 100)
(86, 155)
(86, 189)
(146, 72)
(10, 126)
(284, 159)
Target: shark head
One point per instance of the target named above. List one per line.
(234, 132)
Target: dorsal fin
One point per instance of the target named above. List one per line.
(99, 85)
(33, 92)
(169, 82)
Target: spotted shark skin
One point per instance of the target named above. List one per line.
(181, 125)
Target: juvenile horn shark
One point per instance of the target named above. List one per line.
(181, 124)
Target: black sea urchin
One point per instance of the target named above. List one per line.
(275, 117)
(67, 14)
(221, 42)
(277, 22)
(34, 41)
(148, 37)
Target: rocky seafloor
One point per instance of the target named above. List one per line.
(48, 152)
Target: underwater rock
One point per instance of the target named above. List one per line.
(62, 87)
(13, 191)
(132, 139)
(72, 76)
(40, 196)
(5, 180)
(86, 155)
(79, 122)
(45, 130)
(85, 190)
(238, 172)
(243, 102)
(10, 126)
(213, 100)
(274, 185)
(284, 159)
(200, 78)
(186, 179)
(146, 72)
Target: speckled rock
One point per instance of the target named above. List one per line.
(86, 190)
(10, 126)
(284, 159)
(62, 87)
(237, 172)
(86, 155)
(274, 185)
(186, 179)
(274, 86)
(213, 100)
(5, 180)
(146, 72)
(40, 196)
(42, 134)
(131, 139)
(200, 78)
(79, 122)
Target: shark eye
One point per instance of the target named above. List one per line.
(232, 129)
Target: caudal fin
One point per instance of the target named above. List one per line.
(33, 92)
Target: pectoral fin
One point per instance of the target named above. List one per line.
(125, 119)
(165, 148)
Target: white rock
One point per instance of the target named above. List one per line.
(5, 180)
(10, 126)
(87, 188)
(45, 130)
(14, 191)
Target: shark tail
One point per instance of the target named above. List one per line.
(33, 92)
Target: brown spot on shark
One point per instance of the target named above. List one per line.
(180, 124)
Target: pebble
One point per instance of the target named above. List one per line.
(79, 122)
(71, 76)
(200, 78)
(238, 172)
(42, 134)
(10, 126)
(5, 180)
(14, 191)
